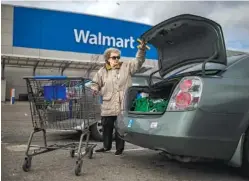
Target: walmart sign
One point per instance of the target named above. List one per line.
(64, 31)
(88, 38)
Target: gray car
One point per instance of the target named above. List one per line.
(201, 107)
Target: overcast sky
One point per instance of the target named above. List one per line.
(232, 15)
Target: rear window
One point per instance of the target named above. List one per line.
(232, 56)
(231, 53)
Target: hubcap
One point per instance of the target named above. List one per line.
(100, 128)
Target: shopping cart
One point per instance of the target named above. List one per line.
(61, 103)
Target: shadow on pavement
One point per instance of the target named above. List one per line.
(195, 170)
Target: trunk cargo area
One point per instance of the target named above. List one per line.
(149, 100)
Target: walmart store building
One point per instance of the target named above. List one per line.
(47, 42)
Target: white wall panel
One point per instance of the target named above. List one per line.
(79, 73)
(14, 77)
(7, 49)
(26, 51)
(7, 12)
(66, 55)
(3, 90)
(6, 26)
(6, 39)
(47, 71)
(6, 29)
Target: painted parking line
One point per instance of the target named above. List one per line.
(130, 150)
(21, 148)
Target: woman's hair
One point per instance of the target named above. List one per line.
(108, 52)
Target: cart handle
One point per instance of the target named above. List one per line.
(51, 77)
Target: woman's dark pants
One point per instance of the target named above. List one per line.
(108, 123)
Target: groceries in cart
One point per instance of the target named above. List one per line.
(62, 92)
(144, 103)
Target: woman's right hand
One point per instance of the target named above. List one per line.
(143, 45)
(94, 93)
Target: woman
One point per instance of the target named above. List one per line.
(111, 82)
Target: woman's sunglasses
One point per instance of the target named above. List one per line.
(115, 57)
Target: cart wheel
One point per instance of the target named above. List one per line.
(27, 164)
(72, 153)
(90, 153)
(78, 167)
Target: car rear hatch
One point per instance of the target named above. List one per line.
(180, 41)
(186, 39)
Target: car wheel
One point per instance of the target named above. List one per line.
(97, 131)
(245, 161)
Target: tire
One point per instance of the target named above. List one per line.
(245, 160)
(97, 132)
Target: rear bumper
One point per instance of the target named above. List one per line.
(192, 133)
(183, 146)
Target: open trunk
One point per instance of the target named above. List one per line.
(183, 40)
(150, 100)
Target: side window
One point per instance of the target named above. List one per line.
(239, 69)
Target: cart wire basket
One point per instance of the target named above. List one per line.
(61, 103)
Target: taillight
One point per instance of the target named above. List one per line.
(186, 85)
(183, 99)
(186, 95)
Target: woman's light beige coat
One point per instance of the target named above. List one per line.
(112, 84)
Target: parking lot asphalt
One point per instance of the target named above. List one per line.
(137, 164)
